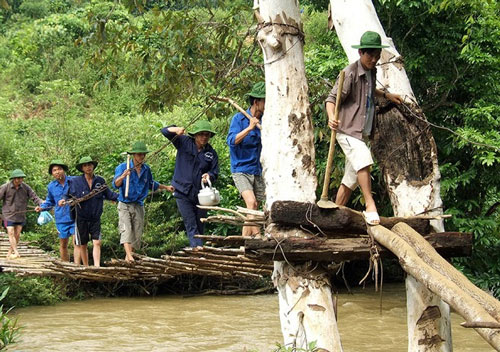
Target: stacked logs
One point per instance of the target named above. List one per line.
(226, 263)
(33, 260)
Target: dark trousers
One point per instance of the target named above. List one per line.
(191, 216)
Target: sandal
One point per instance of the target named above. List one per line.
(371, 218)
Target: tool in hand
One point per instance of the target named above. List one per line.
(324, 202)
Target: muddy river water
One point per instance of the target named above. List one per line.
(215, 323)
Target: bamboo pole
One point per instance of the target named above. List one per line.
(233, 103)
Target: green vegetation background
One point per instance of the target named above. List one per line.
(91, 77)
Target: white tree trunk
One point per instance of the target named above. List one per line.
(306, 305)
(351, 19)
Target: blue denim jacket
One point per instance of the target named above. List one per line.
(91, 209)
(190, 163)
(55, 192)
(139, 185)
(245, 156)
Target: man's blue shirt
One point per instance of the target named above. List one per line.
(91, 209)
(190, 163)
(245, 156)
(55, 192)
(139, 185)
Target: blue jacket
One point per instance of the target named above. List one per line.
(190, 163)
(139, 186)
(91, 209)
(245, 156)
(56, 192)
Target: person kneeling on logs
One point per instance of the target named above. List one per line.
(134, 180)
(196, 162)
(86, 196)
(357, 115)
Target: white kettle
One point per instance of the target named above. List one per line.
(208, 195)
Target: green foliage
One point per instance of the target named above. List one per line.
(172, 54)
(311, 347)
(9, 330)
(34, 8)
(30, 291)
(455, 75)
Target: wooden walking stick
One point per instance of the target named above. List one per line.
(233, 103)
(324, 202)
(127, 181)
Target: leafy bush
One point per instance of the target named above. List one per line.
(35, 8)
(9, 330)
(29, 291)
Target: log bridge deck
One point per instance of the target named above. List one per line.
(210, 261)
(335, 235)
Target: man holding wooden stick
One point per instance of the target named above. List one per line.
(357, 114)
(245, 146)
(90, 190)
(138, 181)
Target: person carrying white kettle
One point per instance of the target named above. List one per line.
(196, 163)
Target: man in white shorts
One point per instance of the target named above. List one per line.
(357, 114)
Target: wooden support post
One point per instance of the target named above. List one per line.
(288, 162)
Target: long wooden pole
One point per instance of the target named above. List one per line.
(331, 150)
(233, 103)
(127, 182)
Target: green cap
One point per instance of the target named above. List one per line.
(57, 162)
(258, 90)
(139, 147)
(202, 126)
(85, 160)
(370, 40)
(17, 173)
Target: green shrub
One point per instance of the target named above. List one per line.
(28, 291)
(9, 330)
(35, 8)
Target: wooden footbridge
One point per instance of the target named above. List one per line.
(334, 238)
(208, 261)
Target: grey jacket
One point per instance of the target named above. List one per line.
(353, 100)
(15, 201)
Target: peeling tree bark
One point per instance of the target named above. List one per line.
(306, 305)
(407, 154)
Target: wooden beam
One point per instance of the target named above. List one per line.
(334, 222)
(451, 244)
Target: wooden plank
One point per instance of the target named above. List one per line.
(340, 222)
(340, 249)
